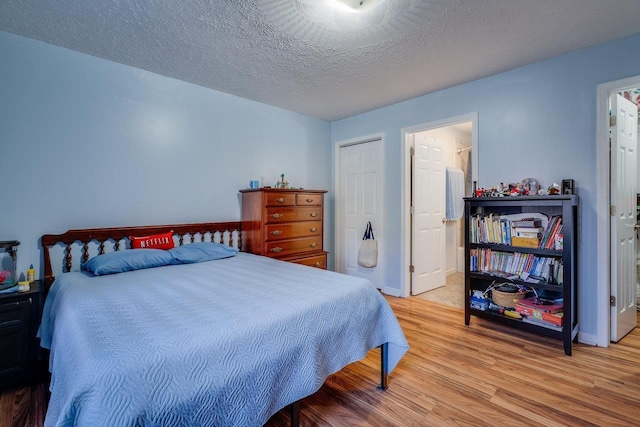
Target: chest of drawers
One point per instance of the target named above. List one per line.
(284, 224)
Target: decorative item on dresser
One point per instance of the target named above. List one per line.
(284, 224)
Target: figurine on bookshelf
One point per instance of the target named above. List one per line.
(530, 186)
(554, 189)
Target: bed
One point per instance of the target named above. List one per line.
(226, 342)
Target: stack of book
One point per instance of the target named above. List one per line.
(541, 312)
(526, 232)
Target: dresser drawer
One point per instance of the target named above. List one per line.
(294, 229)
(318, 261)
(308, 199)
(14, 313)
(281, 199)
(293, 214)
(287, 247)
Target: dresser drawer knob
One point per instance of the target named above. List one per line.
(276, 232)
(313, 245)
(309, 200)
(313, 229)
(277, 215)
(280, 200)
(314, 214)
(276, 249)
(318, 264)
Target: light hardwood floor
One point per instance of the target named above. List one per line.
(477, 375)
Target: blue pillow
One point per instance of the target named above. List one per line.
(127, 260)
(201, 252)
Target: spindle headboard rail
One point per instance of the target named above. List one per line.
(223, 232)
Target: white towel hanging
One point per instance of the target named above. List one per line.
(455, 193)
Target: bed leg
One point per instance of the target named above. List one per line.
(384, 364)
(295, 414)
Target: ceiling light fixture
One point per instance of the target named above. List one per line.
(350, 23)
(356, 5)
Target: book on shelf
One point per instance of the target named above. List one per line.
(555, 318)
(527, 232)
(541, 322)
(525, 242)
(527, 222)
(559, 241)
(541, 305)
(528, 311)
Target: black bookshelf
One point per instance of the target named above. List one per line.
(565, 206)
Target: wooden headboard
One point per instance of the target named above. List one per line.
(223, 232)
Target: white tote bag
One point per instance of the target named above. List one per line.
(368, 252)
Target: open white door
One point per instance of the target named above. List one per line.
(624, 142)
(361, 200)
(428, 226)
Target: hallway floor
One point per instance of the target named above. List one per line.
(451, 294)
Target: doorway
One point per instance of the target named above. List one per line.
(607, 272)
(430, 243)
(360, 195)
(624, 190)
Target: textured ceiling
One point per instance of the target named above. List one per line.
(272, 52)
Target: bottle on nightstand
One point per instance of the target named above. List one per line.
(31, 272)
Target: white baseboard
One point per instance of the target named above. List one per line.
(589, 339)
(391, 292)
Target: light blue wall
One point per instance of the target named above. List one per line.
(536, 121)
(86, 142)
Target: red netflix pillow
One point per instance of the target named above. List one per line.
(155, 241)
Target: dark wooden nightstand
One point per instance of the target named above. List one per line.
(20, 354)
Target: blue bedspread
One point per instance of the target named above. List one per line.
(220, 343)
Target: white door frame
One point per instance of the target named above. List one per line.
(338, 256)
(603, 219)
(405, 194)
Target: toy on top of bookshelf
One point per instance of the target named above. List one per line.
(527, 187)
